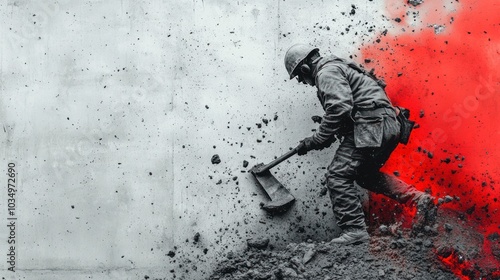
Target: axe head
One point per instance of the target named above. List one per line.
(281, 198)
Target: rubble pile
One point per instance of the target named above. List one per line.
(387, 256)
(450, 249)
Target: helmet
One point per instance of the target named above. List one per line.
(295, 55)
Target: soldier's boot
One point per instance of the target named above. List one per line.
(352, 236)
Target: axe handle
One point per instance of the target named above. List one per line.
(278, 160)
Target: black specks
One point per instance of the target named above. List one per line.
(216, 159)
(446, 160)
(353, 10)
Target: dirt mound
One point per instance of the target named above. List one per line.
(390, 254)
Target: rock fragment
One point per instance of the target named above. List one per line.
(415, 2)
(448, 227)
(308, 255)
(438, 28)
(323, 191)
(216, 159)
(446, 160)
(258, 243)
(383, 229)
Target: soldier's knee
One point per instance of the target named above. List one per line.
(338, 179)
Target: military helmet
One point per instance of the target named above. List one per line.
(295, 55)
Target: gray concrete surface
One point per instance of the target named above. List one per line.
(112, 110)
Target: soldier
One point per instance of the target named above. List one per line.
(357, 111)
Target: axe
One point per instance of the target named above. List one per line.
(281, 198)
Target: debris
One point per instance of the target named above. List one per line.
(446, 160)
(415, 2)
(353, 11)
(494, 236)
(216, 159)
(438, 28)
(326, 261)
(383, 229)
(440, 201)
(448, 227)
(258, 243)
(308, 255)
(245, 164)
(323, 191)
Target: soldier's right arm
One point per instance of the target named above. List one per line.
(336, 96)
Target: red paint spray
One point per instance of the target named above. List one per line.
(441, 60)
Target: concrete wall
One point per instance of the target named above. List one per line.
(112, 110)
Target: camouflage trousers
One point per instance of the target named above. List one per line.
(362, 165)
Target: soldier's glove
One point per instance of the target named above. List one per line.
(306, 145)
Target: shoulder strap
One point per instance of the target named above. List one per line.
(370, 74)
(359, 69)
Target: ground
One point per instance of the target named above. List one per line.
(386, 256)
(451, 248)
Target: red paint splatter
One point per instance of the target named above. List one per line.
(449, 79)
